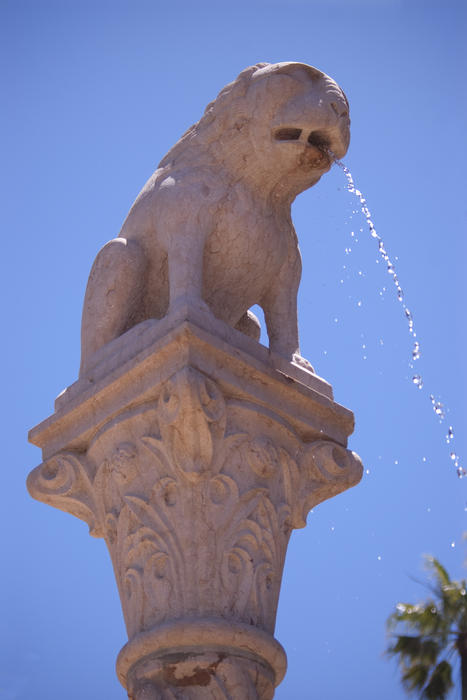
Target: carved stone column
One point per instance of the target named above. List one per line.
(194, 452)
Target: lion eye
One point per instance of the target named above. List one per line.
(287, 134)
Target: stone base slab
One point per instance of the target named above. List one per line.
(130, 368)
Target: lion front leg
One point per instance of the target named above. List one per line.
(183, 224)
(185, 253)
(185, 260)
(280, 312)
(283, 333)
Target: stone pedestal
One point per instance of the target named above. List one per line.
(195, 452)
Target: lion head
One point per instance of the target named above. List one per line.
(273, 126)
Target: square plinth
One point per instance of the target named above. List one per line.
(130, 370)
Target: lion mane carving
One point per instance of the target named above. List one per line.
(212, 226)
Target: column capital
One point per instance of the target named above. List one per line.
(195, 452)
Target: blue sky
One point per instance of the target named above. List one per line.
(95, 93)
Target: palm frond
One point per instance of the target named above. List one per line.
(440, 682)
(431, 634)
(411, 648)
(414, 677)
(440, 573)
(423, 617)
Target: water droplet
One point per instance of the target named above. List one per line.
(453, 544)
(428, 510)
(437, 406)
(418, 381)
(336, 320)
(396, 461)
(409, 317)
(379, 557)
(367, 471)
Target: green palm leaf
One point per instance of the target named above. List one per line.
(438, 570)
(426, 635)
(440, 682)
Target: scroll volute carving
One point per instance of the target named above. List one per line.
(63, 482)
(327, 469)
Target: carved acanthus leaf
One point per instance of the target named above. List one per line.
(192, 420)
(252, 558)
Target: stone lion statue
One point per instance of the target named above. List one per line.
(212, 226)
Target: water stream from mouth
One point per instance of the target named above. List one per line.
(417, 379)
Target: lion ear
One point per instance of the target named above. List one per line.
(228, 96)
(237, 88)
(248, 72)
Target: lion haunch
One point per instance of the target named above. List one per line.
(212, 226)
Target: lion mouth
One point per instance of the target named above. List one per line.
(317, 145)
(319, 141)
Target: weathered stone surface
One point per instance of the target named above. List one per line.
(195, 459)
(192, 449)
(212, 226)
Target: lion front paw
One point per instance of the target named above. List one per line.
(302, 362)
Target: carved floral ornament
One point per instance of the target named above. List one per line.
(196, 496)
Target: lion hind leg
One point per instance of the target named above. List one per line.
(249, 325)
(113, 294)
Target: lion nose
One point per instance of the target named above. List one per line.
(339, 133)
